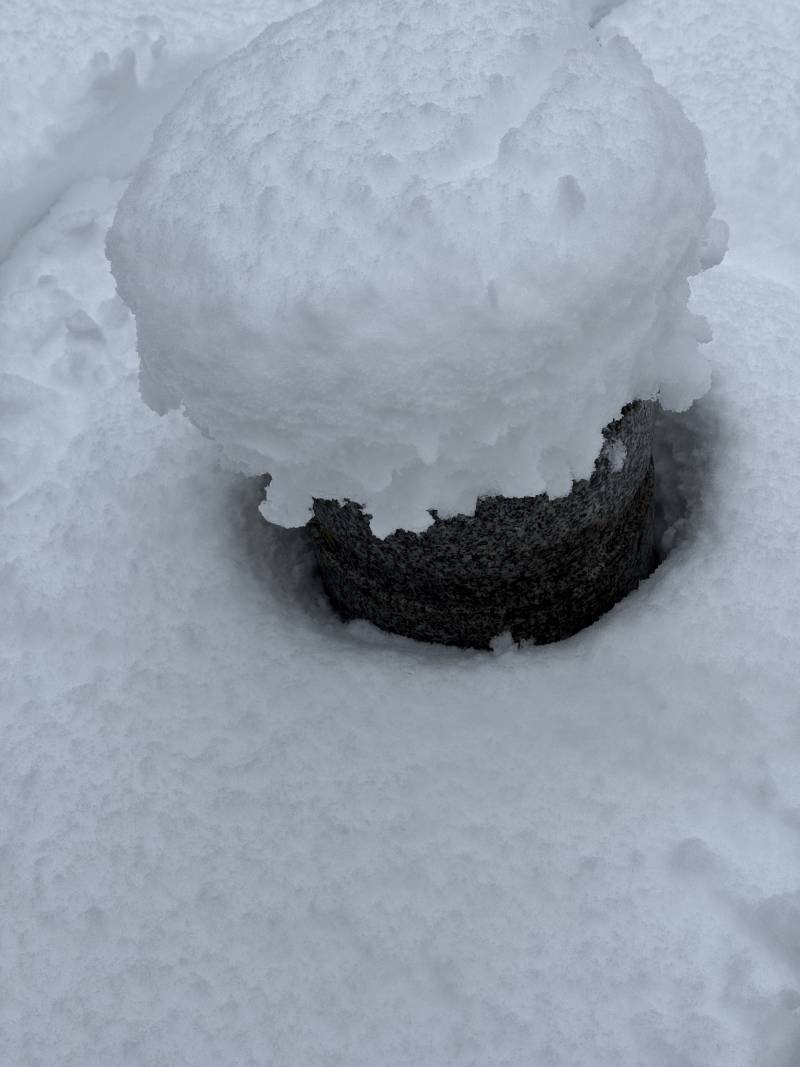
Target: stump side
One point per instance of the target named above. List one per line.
(540, 568)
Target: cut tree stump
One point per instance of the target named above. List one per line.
(536, 567)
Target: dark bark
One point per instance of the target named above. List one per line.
(539, 568)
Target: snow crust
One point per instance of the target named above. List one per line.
(412, 253)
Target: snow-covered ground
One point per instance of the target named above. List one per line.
(235, 831)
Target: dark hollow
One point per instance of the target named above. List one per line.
(540, 568)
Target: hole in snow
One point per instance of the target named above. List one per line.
(284, 564)
(683, 453)
(281, 560)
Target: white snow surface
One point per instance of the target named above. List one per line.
(236, 833)
(82, 85)
(410, 253)
(732, 66)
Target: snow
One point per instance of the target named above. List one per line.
(414, 253)
(82, 86)
(237, 832)
(750, 123)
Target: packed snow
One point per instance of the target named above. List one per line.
(413, 253)
(237, 832)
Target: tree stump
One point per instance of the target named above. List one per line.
(540, 568)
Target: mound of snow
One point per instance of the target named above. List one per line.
(412, 253)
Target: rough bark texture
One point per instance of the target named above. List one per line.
(539, 568)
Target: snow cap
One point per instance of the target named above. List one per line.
(411, 252)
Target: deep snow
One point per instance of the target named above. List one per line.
(237, 832)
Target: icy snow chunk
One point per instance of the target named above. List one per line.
(406, 253)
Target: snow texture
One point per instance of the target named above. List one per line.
(413, 253)
(82, 85)
(236, 833)
(732, 66)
